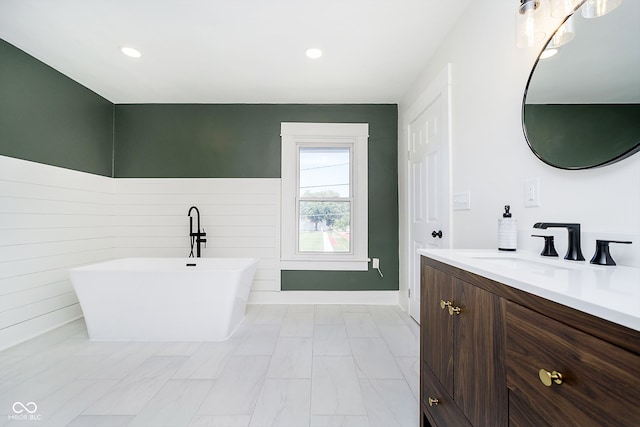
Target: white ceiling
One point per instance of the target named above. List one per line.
(234, 51)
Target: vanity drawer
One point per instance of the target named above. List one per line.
(600, 382)
(445, 412)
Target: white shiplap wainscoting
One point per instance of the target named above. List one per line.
(51, 219)
(241, 217)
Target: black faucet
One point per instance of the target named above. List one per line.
(574, 253)
(197, 237)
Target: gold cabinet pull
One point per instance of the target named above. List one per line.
(433, 402)
(548, 378)
(454, 310)
(444, 304)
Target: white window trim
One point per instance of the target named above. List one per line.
(323, 134)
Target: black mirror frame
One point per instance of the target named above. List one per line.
(616, 159)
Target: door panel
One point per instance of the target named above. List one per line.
(427, 190)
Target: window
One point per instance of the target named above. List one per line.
(324, 199)
(324, 196)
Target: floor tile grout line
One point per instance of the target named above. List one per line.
(195, 413)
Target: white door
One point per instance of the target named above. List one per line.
(428, 181)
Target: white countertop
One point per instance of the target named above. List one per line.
(608, 292)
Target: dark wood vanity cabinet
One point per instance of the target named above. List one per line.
(484, 364)
(463, 379)
(597, 382)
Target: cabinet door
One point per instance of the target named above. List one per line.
(437, 325)
(600, 384)
(480, 376)
(440, 408)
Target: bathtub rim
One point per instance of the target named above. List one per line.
(169, 264)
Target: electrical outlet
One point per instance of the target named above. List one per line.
(376, 263)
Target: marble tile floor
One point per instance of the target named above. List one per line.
(286, 365)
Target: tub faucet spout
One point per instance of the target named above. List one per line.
(574, 253)
(197, 237)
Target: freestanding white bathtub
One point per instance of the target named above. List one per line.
(164, 299)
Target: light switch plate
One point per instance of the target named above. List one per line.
(531, 192)
(462, 201)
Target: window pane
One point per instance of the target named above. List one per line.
(325, 227)
(324, 171)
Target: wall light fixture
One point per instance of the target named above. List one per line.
(597, 8)
(562, 8)
(563, 35)
(528, 31)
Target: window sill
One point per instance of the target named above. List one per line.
(351, 265)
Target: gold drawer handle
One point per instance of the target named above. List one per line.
(444, 304)
(433, 402)
(548, 378)
(454, 310)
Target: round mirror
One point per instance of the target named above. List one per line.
(581, 108)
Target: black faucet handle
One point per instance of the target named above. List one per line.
(549, 248)
(602, 255)
(574, 253)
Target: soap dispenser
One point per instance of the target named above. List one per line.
(507, 231)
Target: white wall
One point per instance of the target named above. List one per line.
(51, 219)
(490, 157)
(241, 217)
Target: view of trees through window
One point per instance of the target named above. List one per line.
(324, 205)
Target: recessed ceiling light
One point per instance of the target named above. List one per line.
(129, 51)
(314, 53)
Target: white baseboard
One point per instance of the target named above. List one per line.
(325, 297)
(29, 332)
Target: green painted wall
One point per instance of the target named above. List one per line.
(577, 136)
(48, 118)
(243, 140)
